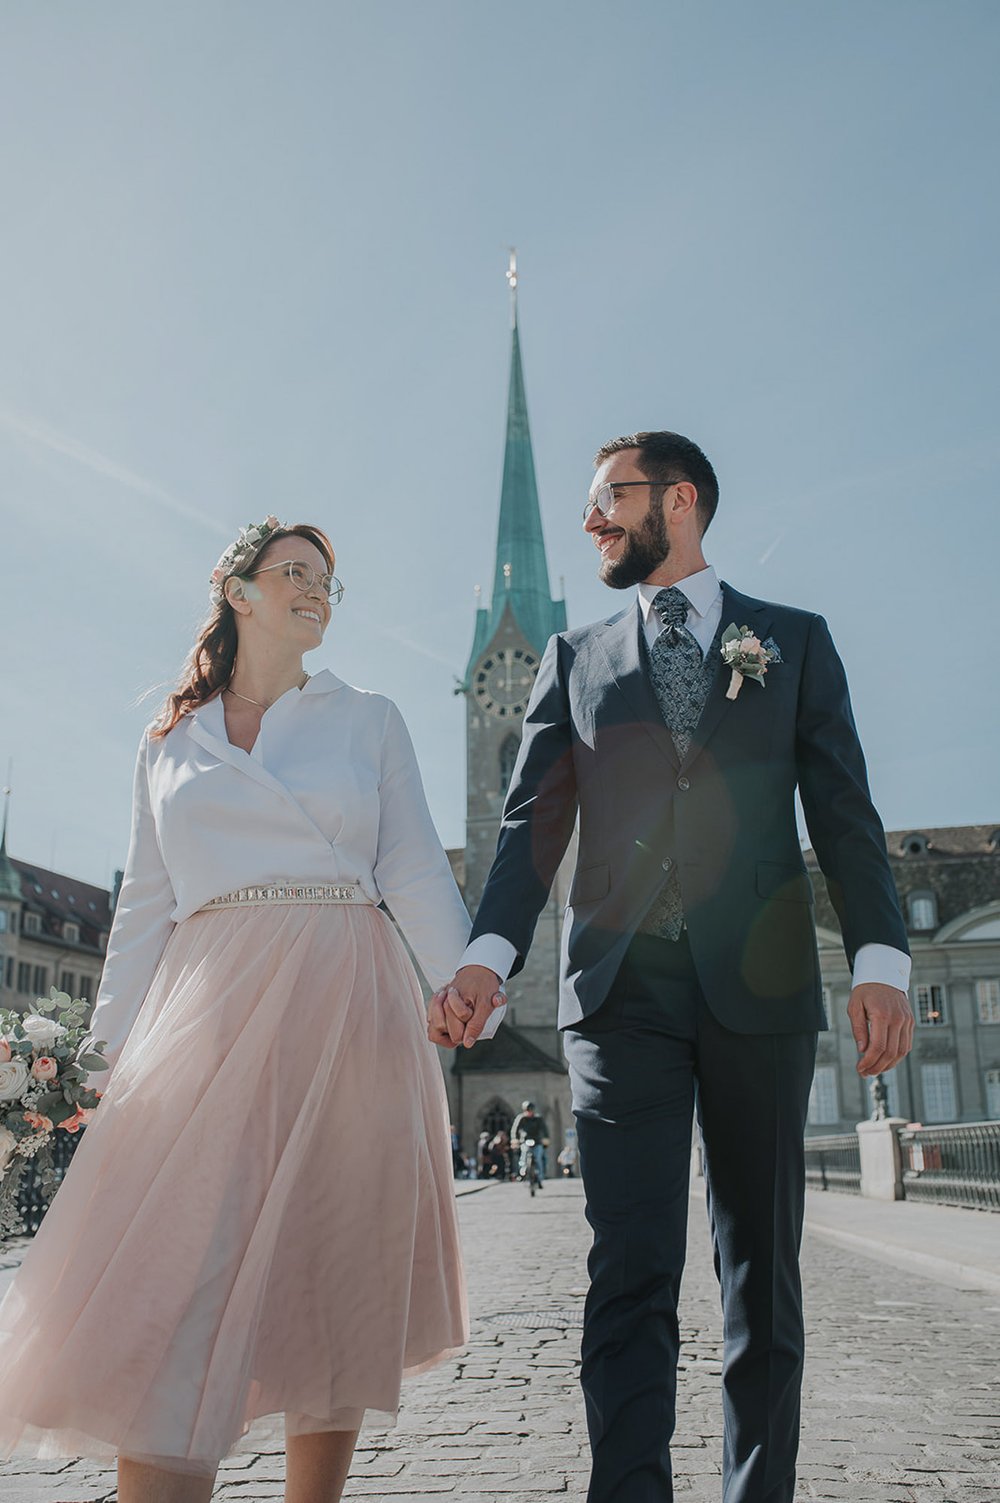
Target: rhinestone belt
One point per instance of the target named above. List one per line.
(339, 892)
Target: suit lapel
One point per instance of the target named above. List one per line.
(619, 642)
(744, 611)
(207, 726)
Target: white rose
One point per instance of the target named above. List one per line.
(13, 1079)
(8, 1143)
(43, 1032)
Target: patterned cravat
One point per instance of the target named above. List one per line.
(681, 679)
(676, 668)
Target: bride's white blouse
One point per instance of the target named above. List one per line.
(331, 792)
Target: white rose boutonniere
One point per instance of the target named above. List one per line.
(747, 656)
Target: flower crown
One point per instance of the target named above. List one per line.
(241, 553)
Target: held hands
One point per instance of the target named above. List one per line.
(458, 1012)
(882, 1024)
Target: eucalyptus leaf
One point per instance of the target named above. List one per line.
(93, 1062)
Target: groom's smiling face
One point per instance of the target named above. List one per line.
(632, 540)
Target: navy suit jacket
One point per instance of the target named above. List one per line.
(595, 744)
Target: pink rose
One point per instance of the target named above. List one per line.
(4, 1051)
(37, 1121)
(72, 1124)
(750, 644)
(270, 522)
(45, 1068)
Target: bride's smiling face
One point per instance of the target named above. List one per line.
(276, 604)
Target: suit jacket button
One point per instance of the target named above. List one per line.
(666, 863)
(684, 784)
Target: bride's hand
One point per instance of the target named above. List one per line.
(443, 1027)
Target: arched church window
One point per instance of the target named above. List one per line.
(508, 756)
(496, 1117)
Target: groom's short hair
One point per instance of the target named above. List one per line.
(665, 457)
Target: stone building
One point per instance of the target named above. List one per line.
(53, 932)
(487, 1084)
(949, 886)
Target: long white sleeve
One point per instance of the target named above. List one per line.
(141, 925)
(411, 868)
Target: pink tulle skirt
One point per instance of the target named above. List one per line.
(259, 1219)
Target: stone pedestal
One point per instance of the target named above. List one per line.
(881, 1165)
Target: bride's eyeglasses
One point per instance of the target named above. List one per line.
(303, 577)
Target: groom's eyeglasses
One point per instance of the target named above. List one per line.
(604, 498)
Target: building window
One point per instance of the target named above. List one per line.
(823, 1105)
(508, 756)
(10, 971)
(915, 844)
(993, 1094)
(938, 1086)
(85, 985)
(66, 981)
(32, 924)
(988, 1001)
(23, 976)
(71, 933)
(496, 1117)
(827, 1003)
(923, 910)
(891, 1081)
(932, 1009)
(40, 980)
(3, 921)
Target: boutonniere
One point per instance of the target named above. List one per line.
(747, 656)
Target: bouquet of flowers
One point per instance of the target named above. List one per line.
(44, 1063)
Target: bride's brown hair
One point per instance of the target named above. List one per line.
(209, 665)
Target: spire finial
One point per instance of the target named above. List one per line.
(512, 284)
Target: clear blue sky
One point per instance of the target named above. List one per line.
(253, 260)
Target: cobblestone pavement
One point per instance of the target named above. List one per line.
(900, 1402)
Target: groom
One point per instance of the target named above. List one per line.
(690, 978)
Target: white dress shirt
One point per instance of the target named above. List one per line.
(881, 963)
(330, 793)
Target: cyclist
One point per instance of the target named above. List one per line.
(528, 1124)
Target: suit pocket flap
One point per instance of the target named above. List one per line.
(591, 884)
(789, 884)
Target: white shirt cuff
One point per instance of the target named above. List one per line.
(492, 951)
(497, 954)
(883, 964)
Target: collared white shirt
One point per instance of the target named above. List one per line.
(704, 592)
(330, 793)
(882, 963)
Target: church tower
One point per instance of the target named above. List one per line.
(511, 631)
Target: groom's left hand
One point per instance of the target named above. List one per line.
(882, 1024)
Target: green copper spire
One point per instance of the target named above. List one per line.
(521, 574)
(10, 882)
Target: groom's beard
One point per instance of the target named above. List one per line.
(645, 548)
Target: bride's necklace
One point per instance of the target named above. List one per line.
(257, 702)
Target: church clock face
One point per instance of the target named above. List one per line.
(503, 682)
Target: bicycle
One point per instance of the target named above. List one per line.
(528, 1168)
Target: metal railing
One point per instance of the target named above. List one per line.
(30, 1201)
(834, 1163)
(957, 1164)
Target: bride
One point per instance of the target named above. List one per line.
(260, 1218)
